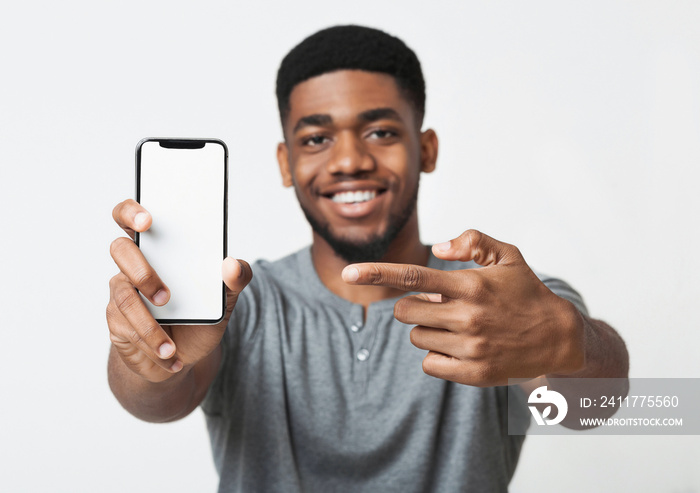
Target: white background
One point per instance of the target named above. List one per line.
(569, 129)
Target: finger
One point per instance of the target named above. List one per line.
(236, 274)
(440, 365)
(143, 330)
(417, 310)
(465, 372)
(131, 217)
(482, 249)
(432, 297)
(134, 265)
(137, 355)
(438, 340)
(403, 276)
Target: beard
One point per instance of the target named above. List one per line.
(371, 249)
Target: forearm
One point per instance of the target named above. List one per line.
(605, 353)
(165, 401)
(606, 369)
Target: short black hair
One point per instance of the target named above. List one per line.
(352, 48)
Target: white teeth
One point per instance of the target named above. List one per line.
(353, 197)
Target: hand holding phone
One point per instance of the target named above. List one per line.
(153, 351)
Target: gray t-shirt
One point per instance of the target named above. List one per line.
(311, 398)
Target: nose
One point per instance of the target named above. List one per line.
(350, 156)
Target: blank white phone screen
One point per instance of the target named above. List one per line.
(184, 190)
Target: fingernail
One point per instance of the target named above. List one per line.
(442, 247)
(166, 350)
(140, 219)
(351, 274)
(240, 271)
(177, 366)
(161, 297)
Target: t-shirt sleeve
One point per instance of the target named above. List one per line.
(562, 289)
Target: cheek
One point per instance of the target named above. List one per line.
(403, 165)
(305, 171)
(395, 153)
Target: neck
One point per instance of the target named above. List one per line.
(405, 249)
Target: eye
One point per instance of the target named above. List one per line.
(381, 134)
(315, 140)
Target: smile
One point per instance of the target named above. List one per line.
(354, 197)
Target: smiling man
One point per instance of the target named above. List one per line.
(354, 153)
(326, 376)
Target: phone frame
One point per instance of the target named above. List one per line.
(189, 143)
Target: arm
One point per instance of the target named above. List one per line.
(485, 326)
(159, 373)
(160, 402)
(605, 358)
(604, 352)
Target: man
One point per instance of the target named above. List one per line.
(313, 381)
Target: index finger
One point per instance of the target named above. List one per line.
(406, 277)
(131, 217)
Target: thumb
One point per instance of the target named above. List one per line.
(236, 274)
(482, 249)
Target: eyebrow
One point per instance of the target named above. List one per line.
(317, 120)
(379, 114)
(323, 120)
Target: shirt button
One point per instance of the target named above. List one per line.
(355, 328)
(363, 354)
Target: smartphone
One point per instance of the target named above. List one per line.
(183, 183)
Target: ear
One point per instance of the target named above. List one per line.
(283, 161)
(428, 150)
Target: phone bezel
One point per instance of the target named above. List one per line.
(184, 142)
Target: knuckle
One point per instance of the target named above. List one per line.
(149, 332)
(479, 283)
(375, 275)
(145, 337)
(121, 341)
(475, 287)
(473, 237)
(135, 337)
(471, 323)
(463, 283)
(515, 253)
(114, 282)
(114, 339)
(411, 277)
(479, 348)
(144, 277)
(126, 299)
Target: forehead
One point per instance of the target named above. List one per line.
(344, 94)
